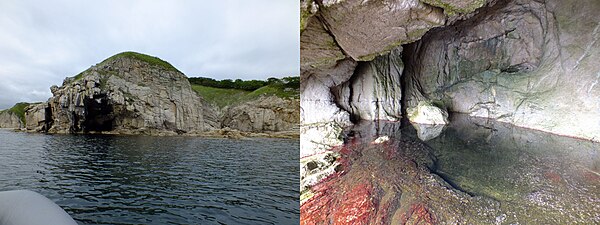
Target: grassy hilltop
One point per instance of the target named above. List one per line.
(228, 92)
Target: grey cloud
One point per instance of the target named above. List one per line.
(42, 42)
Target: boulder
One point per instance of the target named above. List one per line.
(427, 113)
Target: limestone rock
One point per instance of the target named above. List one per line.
(9, 119)
(427, 113)
(38, 117)
(318, 138)
(321, 119)
(266, 114)
(127, 93)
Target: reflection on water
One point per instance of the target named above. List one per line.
(532, 172)
(156, 180)
(473, 171)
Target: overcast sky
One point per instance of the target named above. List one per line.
(42, 42)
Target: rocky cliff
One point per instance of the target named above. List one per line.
(126, 93)
(14, 118)
(265, 114)
(9, 119)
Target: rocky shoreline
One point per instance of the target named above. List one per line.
(220, 133)
(132, 93)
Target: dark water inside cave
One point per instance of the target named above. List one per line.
(156, 180)
(478, 171)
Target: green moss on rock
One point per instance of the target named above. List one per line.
(19, 110)
(453, 9)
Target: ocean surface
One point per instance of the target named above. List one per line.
(103, 179)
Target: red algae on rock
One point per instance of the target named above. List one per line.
(387, 183)
(417, 214)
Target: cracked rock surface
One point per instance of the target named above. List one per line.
(529, 63)
(123, 95)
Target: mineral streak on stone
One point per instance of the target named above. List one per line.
(127, 93)
(374, 91)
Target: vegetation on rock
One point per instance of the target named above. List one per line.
(19, 110)
(224, 97)
(154, 61)
(227, 92)
(246, 85)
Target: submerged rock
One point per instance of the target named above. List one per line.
(427, 132)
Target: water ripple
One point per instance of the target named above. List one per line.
(156, 180)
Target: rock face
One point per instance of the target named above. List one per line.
(266, 114)
(9, 119)
(529, 63)
(127, 93)
(526, 62)
(337, 34)
(39, 117)
(374, 91)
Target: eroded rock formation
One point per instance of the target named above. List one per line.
(335, 35)
(526, 62)
(265, 114)
(127, 93)
(9, 119)
(531, 63)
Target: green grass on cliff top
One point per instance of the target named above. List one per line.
(224, 97)
(19, 110)
(154, 61)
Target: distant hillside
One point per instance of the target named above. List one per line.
(19, 110)
(228, 92)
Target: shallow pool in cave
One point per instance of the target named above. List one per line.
(472, 171)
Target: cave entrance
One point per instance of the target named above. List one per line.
(99, 114)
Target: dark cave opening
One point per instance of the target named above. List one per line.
(99, 114)
(48, 121)
(403, 87)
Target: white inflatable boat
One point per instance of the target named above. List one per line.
(24, 207)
